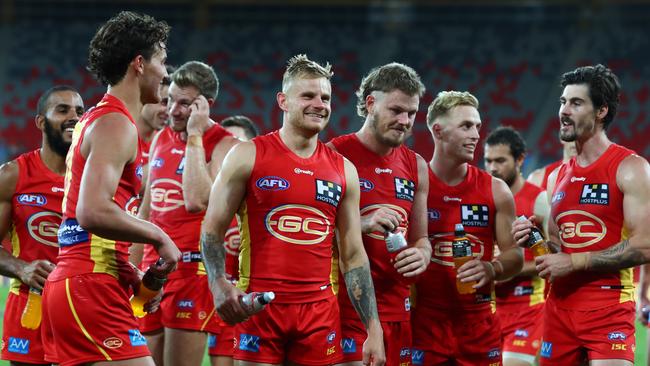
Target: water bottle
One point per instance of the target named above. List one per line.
(536, 241)
(150, 285)
(461, 249)
(254, 302)
(395, 241)
(31, 318)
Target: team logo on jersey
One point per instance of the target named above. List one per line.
(18, 345)
(404, 189)
(157, 163)
(595, 194)
(181, 166)
(32, 199)
(232, 241)
(372, 208)
(433, 214)
(298, 224)
(166, 195)
(579, 229)
(365, 185)
(328, 192)
(475, 215)
(441, 244)
(132, 206)
(113, 342)
(44, 226)
(272, 183)
(250, 343)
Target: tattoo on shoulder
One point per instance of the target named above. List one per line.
(362, 293)
(616, 257)
(214, 255)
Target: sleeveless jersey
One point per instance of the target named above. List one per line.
(385, 181)
(35, 213)
(231, 243)
(470, 203)
(547, 171)
(82, 251)
(288, 219)
(587, 207)
(167, 208)
(520, 292)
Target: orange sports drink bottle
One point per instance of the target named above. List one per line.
(150, 285)
(461, 249)
(31, 318)
(536, 241)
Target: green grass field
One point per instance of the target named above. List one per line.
(641, 335)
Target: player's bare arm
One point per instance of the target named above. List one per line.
(356, 268)
(32, 274)
(105, 163)
(414, 260)
(510, 259)
(536, 177)
(227, 193)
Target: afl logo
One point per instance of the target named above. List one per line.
(166, 195)
(433, 214)
(272, 183)
(32, 199)
(43, 227)
(298, 224)
(579, 229)
(368, 210)
(442, 248)
(365, 185)
(232, 241)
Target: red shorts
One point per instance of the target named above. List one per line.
(522, 332)
(187, 304)
(602, 334)
(305, 333)
(88, 318)
(222, 344)
(470, 339)
(20, 344)
(397, 341)
(151, 322)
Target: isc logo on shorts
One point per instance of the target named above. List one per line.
(136, 338)
(417, 356)
(349, 345)
(249, 343)
(547, 349)
(18, 345)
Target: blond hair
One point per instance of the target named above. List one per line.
(299, 66)
(445, 101)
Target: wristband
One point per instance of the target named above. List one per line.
(195, 140)
(580, 261)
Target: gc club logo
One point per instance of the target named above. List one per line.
(579, 229)
(298, 224)
(43, 227)
(166, 195)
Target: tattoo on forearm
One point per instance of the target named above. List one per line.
(214, 255)
(362, 293)
(619, 256)
(555, 247)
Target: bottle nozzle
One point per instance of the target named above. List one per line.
(459, 230)
(267, 297)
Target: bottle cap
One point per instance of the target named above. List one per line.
(459, 230)
(267, 297)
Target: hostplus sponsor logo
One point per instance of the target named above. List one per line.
(328, 192)
(404, 189)
(475, 215)
(595, 194)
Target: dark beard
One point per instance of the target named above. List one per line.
(55, 139)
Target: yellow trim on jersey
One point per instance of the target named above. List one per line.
(244, 248)
(15, 251)
(102, 253)
(334, 269)
(537, 297)
(627, 277)
(76, 318)
(207, 319)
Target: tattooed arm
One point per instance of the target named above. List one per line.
(226, 196)
(356, 269)
(633, 179)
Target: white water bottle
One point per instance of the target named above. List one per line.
(254, 302)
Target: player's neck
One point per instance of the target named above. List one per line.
(52, 160)
(447, 170)
(592, 148)
(371, 143)
(300, 143)
(517, 185)
(128, 92)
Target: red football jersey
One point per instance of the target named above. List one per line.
(587, 207)
(288, 219)
(470, 203)
(547, 171)
(385, 181)
(231, 243)
(82, 251)
(522, 292)
(35, 212)
(167, 208)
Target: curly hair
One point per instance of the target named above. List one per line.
(393, 76)
(120, 40)
(508, 136)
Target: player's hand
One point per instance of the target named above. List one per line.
(226, 300)
(521, 229)
(35, 273)
(199, 120)
(381, 220)
(153, 304)
(476, 270)
(410, 262)
(170, 254)
(373, 347)
(552, 266)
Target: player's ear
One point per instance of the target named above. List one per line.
(39, 121)
(282, 101)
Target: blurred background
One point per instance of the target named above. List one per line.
(510, 54)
